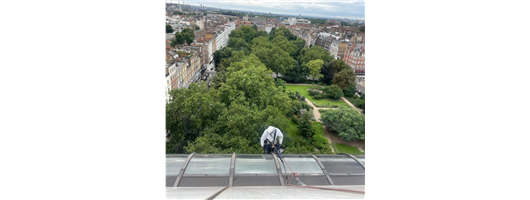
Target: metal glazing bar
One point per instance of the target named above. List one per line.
(323, 169)
(360, 163)
(279, 169)
(232, 168)
(183, 169)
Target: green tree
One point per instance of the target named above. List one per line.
(298, 74)
(189, 112)
(169, 29)
(305, 128)
(285, 45)
(344, 78)
(262, 42)
(280, 61)
(314, 68)
(339, 65)
(348, 123)
(249, 82)
(186, 36)
(333, 91)
(300, 44)
(313, 53)
(327, 71)
(173, 43)
(239, 44)
(361, 29)
(237, 33)
(280, 84)
(350, 90)
(225, 52)
(222, 143)
(262, 33)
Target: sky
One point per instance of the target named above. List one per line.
(352, 9)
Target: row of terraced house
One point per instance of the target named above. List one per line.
(341, 42)
(185, 64)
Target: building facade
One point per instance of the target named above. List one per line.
(355, 58)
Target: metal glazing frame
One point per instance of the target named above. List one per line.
(323, 169)
(181, 173)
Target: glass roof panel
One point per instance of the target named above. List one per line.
(255, 164)
(209, 164)
(174, 164)
(301, 164)
(340, 164)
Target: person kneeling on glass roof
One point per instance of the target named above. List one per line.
(269, 137)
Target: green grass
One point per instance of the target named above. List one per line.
(302, 89)
(341, 148)
(292, 129)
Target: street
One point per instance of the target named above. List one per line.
(360, 84)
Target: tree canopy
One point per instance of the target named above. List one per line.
(314, 68)
(344, 78)
(169, 29)
(333, 91)
(347, 122)
(313, 53)
(186, 36)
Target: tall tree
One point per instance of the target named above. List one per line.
(169, 29)
(285, 45)
(350, 90)
(188, 114)
(344, 78)
(305, 127)
(298, 73)
(186, 36)
(339, 65)
(262, 33)
(314, 68)
(313, 53)
(327, 71)
(249, 82)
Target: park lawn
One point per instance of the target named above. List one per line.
(302, 89)
(341, 148)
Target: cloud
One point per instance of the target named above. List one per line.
(333, 8)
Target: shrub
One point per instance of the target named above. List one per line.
(350, 91)
(291, 95)
(313, 92)
(302, 98)
(333, 91)
(319, 96)
(317, 128)
(319, 141)
(306, 106)
(295, 120)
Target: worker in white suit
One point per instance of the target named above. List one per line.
(269, 138)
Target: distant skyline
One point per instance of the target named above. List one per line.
(353, 9)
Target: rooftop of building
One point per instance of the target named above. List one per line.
(203, 170)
